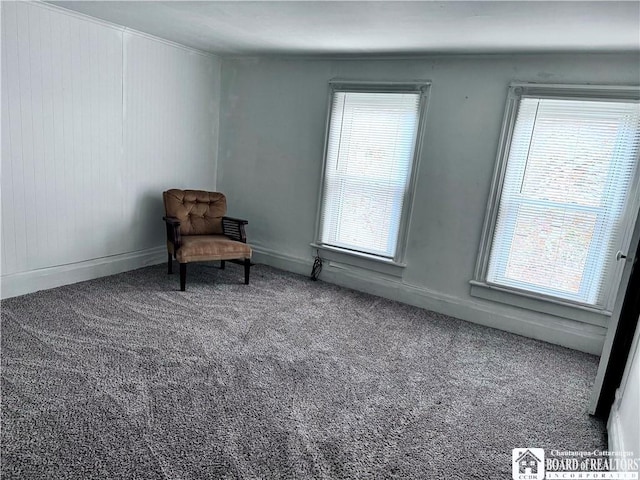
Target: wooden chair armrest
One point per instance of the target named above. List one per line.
(234, 228)
(173, 231)
(236, 220)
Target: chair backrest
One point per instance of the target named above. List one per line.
(199, 212)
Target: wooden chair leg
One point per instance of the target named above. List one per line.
(170, 263)
(221, 264)
(247, 266)
(183, 276)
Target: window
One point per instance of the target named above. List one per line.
(564, 195)
(370, 153)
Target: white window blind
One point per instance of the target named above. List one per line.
(570, 169)
(370, 151)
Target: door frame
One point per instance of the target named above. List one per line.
(620, 334)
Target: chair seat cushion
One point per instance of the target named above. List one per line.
(199, 248)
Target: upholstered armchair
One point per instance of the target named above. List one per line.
(198, 231)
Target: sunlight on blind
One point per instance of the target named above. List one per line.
(569, 171)
(370, 151)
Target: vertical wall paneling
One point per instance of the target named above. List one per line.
(6, 188)
(12, 155)
(171, 110)
(97, 120)
(52, 63)
(28, 108)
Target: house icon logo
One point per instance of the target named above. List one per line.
(528, 463)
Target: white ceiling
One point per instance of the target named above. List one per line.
(379, 27)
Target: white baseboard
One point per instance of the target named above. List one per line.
(281, 261)
(27, 282)
(560, 331)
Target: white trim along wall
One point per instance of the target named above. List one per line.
(561, 331)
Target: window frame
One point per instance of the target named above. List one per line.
(391, 266)
(524, 298)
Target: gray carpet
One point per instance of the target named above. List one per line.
(126, 377)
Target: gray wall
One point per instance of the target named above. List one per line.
(272, 127)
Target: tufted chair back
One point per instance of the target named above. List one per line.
(199, 212)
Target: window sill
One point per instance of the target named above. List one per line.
(361, 260)
(531, 301)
